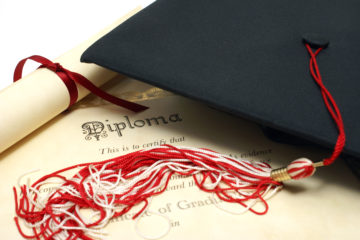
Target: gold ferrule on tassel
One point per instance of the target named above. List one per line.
(318, 164)
(280, 174)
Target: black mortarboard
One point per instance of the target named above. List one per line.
(248, 58)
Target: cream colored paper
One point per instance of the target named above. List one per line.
(40, 96)
(325, 206)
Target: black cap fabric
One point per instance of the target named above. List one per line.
(248, 58)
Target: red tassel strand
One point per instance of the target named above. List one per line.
(112, 187)
(330, 104)
(302, 168)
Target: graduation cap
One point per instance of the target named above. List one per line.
(249, 58)
(253, 58)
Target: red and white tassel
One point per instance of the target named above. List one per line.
(112, 187)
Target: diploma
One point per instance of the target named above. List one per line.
(325, 206)
(40, 96)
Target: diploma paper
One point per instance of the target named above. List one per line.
(325, 206)
(35, 99)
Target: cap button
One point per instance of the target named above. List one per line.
(315, 40)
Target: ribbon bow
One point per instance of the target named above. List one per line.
(71, 78)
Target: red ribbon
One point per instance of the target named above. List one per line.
(71, 78)
(331, 106)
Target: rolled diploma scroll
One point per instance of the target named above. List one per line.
(40, 96)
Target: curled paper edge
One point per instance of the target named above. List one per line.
(40, 96)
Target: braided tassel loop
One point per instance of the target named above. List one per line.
(303, 167)
(111, 188)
